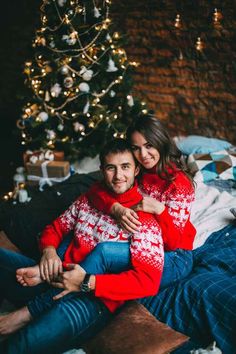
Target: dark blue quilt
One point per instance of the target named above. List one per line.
(203, 305)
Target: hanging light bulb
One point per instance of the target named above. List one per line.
(199, 44)
(177, 21)
(217, 17)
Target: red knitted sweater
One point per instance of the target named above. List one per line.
(178, 195)
(91, 227)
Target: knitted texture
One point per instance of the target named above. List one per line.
(91, 227)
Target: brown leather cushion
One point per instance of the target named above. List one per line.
(135, 331)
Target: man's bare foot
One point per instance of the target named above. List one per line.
(15, 320)
(29, 276)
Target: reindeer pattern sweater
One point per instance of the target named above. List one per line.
(91, 227)
(177, 196)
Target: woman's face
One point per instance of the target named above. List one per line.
(145, 153)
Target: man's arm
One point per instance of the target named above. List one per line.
(143, 279)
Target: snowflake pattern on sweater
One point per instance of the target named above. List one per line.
(91, 227)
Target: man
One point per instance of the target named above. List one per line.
(57, 320)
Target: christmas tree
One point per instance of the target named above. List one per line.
(80, 79)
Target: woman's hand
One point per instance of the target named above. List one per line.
(50, 265)
(150, 205)
(126, 217)
(70, 280)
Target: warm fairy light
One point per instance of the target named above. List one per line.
(199, 44)
(177, 21)
(217, 17)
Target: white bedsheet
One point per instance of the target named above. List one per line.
(210, 211)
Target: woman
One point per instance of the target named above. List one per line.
(167, 188)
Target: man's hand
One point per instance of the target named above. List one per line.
(50, 265)
(126, 217)
(150, 205)
(69, 280)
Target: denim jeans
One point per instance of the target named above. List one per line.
(114, 257)
(62, 324)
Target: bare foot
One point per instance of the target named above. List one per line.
(15, 320)
(29, 276)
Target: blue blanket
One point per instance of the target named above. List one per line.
(203, 305)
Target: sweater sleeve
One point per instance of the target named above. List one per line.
(53, 234)
(144, 278)
(177, 230)
(100, 199)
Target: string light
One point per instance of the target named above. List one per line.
(199, 44)
(217, 17)
(177, 21)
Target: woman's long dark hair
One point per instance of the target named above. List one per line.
(156, 134)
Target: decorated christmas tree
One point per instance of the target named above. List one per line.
(80, 80)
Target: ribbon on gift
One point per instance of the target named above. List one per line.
(45, 179)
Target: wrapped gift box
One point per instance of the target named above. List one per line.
(41, 155)
(47, 172)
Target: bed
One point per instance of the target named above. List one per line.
(203, 305)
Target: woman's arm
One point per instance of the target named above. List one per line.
(103, 201)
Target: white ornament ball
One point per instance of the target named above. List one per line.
(68, 82)
(84, 87)
(130, 101)
(112, 93)
(60, 127)
(61, 3)
(51, 134)
(55, 90)
(87, 76)
(78, 127)
(43, 116)
(64, 70)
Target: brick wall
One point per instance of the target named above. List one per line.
(193, 91)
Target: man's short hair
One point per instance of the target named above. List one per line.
(114, 146)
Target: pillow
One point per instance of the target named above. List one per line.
(207, 167)
(197, 144)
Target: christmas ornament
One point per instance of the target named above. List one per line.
(50, 134)
(78, 127)
(64, 70)
(84, 87)
(96, 12)
(130, 101)
(55, 90)
(71, 39)
(60, 127)
(86, 74)
(86, 108)
(68, 82)
(112, 93)
(111, 66)
(61, 3)
(43, 116)
(47, 96)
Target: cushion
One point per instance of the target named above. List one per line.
(197, 144)
(135, 330)
(207, 167)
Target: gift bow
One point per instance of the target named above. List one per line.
(43, 156)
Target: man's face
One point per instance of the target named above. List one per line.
(119, 171)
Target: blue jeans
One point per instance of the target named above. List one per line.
(76, 317)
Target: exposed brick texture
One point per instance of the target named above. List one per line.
(194, 92)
